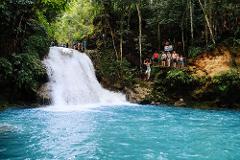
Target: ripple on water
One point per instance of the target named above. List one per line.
(6, 128)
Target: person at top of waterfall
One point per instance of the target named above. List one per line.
(156, 57)
(147, 63)
(79, 48)
(84, 45)
(174, 59)
(52, 44)
(169, 58)
(168, 47)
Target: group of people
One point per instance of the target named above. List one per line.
(168, 58)
(65, 45)
(80, 46)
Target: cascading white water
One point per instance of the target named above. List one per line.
(73, 80)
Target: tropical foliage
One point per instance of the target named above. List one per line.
(174, 82)
(123, 32)
(119, 74)
(77, 22)
(24, 40)
(227, 86)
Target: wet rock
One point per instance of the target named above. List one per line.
(180, 103)
(155, 103)
(43, 95)
(138, 93)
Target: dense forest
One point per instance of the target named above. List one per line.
(121, 34)
(24, 41)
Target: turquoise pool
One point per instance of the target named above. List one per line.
(120, 132)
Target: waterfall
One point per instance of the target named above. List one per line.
(73, 80)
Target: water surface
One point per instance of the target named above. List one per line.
(120, 132)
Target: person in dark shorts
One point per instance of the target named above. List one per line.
(174, 59)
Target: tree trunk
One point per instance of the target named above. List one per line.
(191, 17)
(183, 39)
(159, 36)
(121, 38)
(129, 16)
(106, 17)
(213, 21)
(140, 34)
(207, 21)
(182, 28)
(113, 38)
(210, 13)
(206, 32)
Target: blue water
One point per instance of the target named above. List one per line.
(120, 132)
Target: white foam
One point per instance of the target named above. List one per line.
(73, 82)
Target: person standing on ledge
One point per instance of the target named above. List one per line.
(155, 58)
(148, 71)
(174, 59)
(169, 59)
(164, 59)
(79, 47)
(181, 61)
(84, 45)
(52, 44)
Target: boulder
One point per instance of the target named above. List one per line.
(180, 103)
(138, 93)
(43, 94)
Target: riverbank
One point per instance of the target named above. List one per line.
(5, 105)
(143, 95)
(210, 80)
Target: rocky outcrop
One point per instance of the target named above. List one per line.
(43, 95)
(138, 93)
(237, 58)
(180, 103)
(212, 63)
